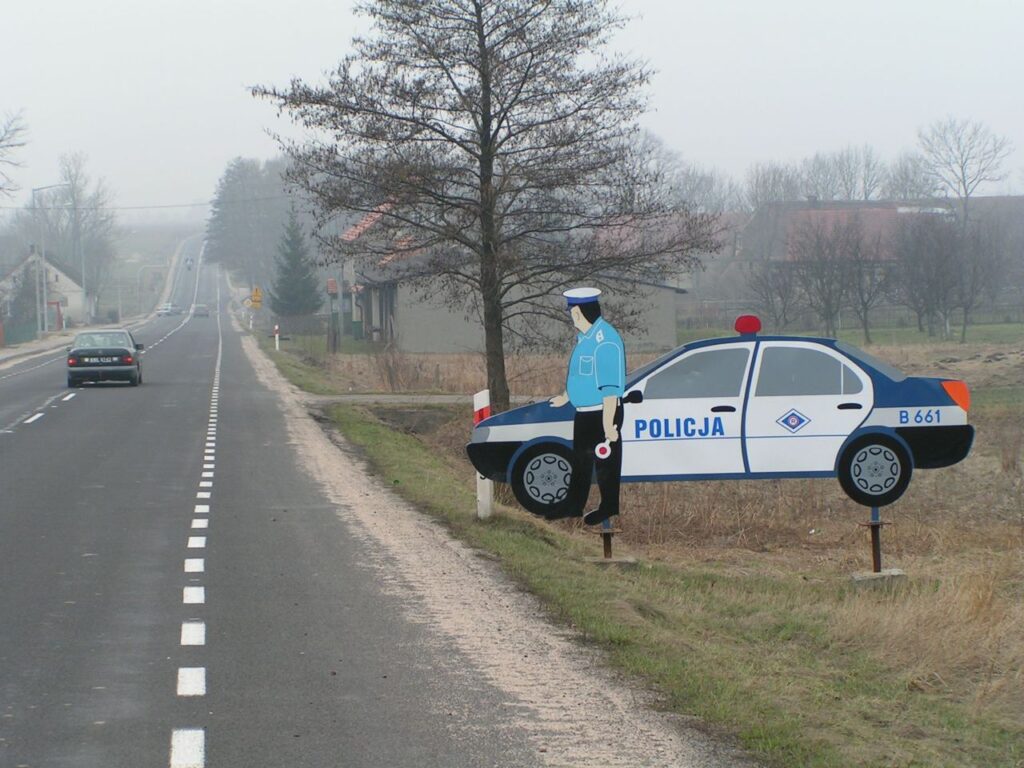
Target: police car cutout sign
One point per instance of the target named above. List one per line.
(748, 407)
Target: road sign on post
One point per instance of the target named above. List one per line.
(256, 298)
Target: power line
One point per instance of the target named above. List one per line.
(142, 207)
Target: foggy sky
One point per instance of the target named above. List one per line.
(155, 92)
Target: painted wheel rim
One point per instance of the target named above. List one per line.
(546, 478)
(875, 469)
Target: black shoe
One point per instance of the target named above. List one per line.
(597, 516)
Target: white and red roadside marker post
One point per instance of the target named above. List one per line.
(277, 337)
(484, 487)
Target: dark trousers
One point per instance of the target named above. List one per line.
(587, 432)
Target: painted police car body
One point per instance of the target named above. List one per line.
(747, 407)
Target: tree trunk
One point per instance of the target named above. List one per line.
(494, 346)
(920, 321)
(963, 329)
(864, 324)
(490, 285)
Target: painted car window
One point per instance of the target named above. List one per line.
(803, 371)
(879, 365)
(852, 384)
(715, 373)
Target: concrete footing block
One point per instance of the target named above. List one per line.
(888, 578)
(612, 562)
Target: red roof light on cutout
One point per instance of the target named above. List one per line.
(747, 325)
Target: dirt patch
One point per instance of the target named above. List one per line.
(579, 713)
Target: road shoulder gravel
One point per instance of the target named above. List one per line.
(576, 710)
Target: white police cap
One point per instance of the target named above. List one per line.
(576, 296)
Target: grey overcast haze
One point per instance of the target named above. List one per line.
(156, 93)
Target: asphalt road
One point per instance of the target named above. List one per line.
(174, 591)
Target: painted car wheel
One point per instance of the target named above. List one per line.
(875, 470)
(541, 477)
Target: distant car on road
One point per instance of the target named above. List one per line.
(104, 355)
(749, 406)
(168, 309)
(200, 310)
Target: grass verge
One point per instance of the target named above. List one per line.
(764, 653)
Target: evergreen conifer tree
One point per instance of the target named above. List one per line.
(296, 290)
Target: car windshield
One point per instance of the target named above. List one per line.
(881, 366)
(99, 339)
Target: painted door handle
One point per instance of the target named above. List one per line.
(723, 409)
(850, 406)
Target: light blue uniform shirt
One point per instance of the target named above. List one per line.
(597, 368)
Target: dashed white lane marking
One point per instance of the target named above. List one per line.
(68, 397)
(203, 495)
(193, 633)
(191, 681)
(33, 368)
(30, 419)
(197, 542)
(207, 474)
(201, 522)
(202, 509)
(206, 484)
(195, 565)
(188, 748)
(209, 466)
(193, 595)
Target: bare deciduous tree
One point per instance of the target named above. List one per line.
(76, 223)
(961, 155)
(981, 266)
(859, 173)
(908, 178)
(495, 141)
(925, 249)
(772, 183)
(822, 264)
(12, 133)
(775, 291)
(869, 274)
(820, 177)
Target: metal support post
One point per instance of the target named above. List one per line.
(606, 536)
(876, 539)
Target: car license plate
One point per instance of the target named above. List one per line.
(99, 359)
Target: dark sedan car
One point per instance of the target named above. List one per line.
(106, 355)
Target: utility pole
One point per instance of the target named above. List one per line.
(43, 323)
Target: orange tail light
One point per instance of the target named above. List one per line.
(959, 392)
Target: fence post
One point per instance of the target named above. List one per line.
(484, 487)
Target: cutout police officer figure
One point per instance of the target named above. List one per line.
(594, 386)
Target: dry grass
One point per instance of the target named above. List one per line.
(953, 635)
(955, 632)
(394, 371)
